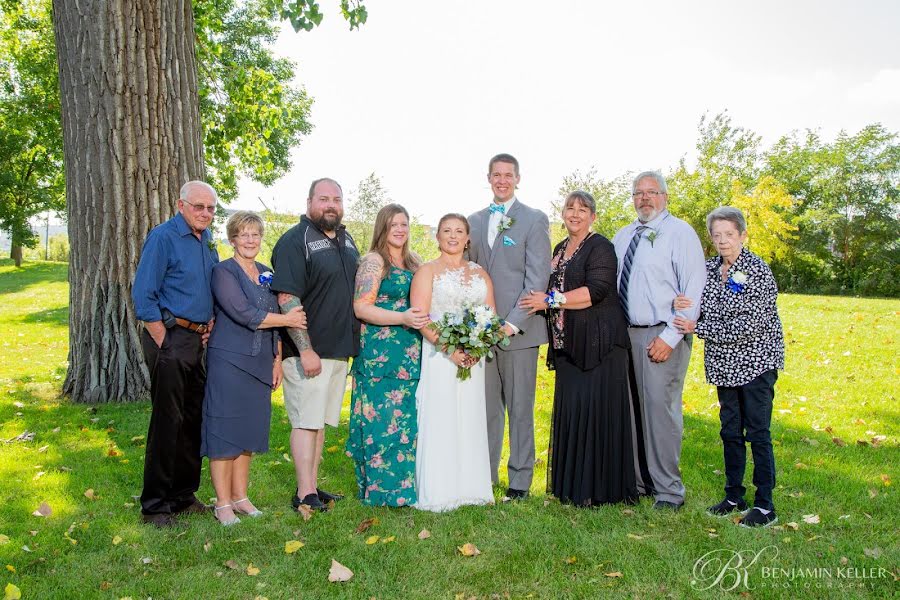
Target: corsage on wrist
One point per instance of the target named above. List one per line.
(555, 299)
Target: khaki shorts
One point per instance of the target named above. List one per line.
(311, 402)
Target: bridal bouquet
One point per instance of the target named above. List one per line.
(474, 331)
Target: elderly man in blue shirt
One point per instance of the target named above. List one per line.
(172, 297)
(660, 257)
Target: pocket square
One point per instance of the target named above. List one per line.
(508, 241)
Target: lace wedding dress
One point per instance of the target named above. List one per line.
(452, 459)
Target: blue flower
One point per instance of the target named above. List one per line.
(265, 278)
(734, 286)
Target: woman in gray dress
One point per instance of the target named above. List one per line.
(243, 367)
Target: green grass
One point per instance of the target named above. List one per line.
(840, 382)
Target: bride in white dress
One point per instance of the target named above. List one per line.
(452, 460)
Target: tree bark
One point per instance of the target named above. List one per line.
(131, 138)
(15, 253)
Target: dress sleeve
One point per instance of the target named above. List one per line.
(230, 297)
(600, 271)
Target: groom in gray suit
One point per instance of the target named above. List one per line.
(512, 242)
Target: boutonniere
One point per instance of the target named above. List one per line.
(737, 282)
(505, 223)
(652, 237)
(211, 244)
(265, 278)
(508, 241)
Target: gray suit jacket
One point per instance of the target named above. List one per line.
(516, 267)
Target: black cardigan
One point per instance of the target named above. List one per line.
(590, 333)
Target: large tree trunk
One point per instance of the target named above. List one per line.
(131, 135)
(15, 253)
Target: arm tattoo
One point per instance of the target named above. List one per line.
(368, 279)
(300, 337)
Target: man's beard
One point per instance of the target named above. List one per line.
(326, 221)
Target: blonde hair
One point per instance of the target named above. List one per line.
(240, 221)
(380, 233)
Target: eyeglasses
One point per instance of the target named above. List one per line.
(199, 208)
(249, 236)
(649, 193)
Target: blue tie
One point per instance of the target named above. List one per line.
(498, 208)
(626, 268)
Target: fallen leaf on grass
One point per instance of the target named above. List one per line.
(838, 441)
(801, 466)
(286, 457)
(811, 519)
(11, 592)
(56, 429)
(571, 560)
(365, 524)
(292, 546)
(796, 494)
(885, 479)
(90, 494)
(424, 534)
(872, 552)
(872, 492)
(305, 511)
(339, 572)
(137, 439)
(628, 512)
(331, 449)
(43, 510)
(843, 517)
(862, 442)
(114, 451)
(389, 539)
(810, 441)
(372, 539)
(207, 546)
(146, 560)
(43, 448)
(614, 574)
(10, 568)
(232, 565)
(635, 537)
(117, 540)
(844, 560)
(252, 571)
(4, 539)
(792, 525)
(38, 475)
(468, 549)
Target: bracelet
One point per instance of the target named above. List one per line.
(555, 299)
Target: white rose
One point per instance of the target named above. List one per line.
(739, 278)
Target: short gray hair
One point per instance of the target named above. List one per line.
(196, 183)
(241, 220)
(656, 175)
(584, 198)
(727, 213)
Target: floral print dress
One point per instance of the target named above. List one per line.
(382, 439)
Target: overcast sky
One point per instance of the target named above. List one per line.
(426, 92)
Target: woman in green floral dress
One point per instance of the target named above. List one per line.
(382, 440)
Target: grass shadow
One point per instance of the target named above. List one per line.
(58, 317)
(14, 279)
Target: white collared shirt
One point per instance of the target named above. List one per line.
(494, 220)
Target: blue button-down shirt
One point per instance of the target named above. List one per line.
(174, 273)
(672, 264)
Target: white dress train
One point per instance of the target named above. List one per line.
(452, 458)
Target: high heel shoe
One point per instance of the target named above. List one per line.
(250, 513)
(233, 521)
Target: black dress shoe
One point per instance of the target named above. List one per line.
(312, 502)
(327, 497)
(161, 521)
(194, 508)
(666, 505)
(514, 494)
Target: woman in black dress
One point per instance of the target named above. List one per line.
(243, 363)
(591, 460)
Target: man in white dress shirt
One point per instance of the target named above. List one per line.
(660, 256)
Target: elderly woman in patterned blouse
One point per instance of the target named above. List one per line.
(744, 349)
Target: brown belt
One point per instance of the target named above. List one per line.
(200, 328)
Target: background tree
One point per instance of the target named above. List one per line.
(132, 136)
(613, 197)
(365, 202)
(31, 154)
(767, 209)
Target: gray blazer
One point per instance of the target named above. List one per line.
(515, 267)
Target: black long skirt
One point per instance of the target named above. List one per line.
(591, 458)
